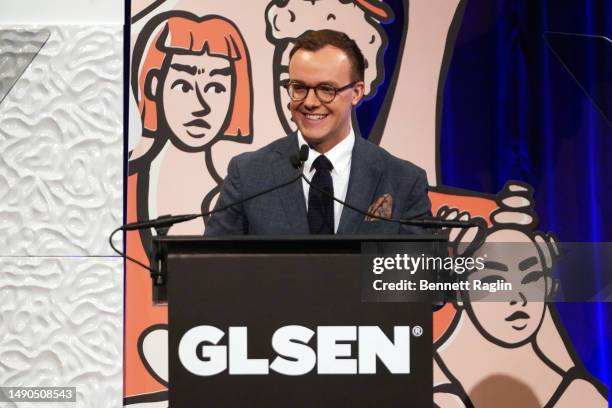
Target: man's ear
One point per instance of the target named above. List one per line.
(358, 91)
(152, 81)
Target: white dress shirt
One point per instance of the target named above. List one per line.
(340, 157)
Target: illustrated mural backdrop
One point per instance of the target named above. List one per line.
(206, 83)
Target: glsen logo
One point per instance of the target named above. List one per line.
(201, 354)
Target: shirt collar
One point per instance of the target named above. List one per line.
(339, 155)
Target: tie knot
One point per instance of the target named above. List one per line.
(322, 163)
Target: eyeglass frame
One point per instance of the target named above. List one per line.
(308, 88)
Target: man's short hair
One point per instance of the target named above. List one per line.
(314, 40)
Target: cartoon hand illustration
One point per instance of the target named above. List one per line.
(463, 240)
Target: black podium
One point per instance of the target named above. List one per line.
(280, 322)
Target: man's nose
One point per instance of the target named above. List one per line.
(312, 100)
(205, 108)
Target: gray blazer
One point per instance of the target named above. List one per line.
(374, 172)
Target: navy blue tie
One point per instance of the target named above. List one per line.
(321, 206)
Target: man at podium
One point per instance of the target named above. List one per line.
(326, 81)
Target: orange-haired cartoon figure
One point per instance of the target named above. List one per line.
(192, 82)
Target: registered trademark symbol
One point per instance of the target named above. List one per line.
(417, 331)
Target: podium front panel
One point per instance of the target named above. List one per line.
(228, 307)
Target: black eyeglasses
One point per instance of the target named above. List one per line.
(326, 93)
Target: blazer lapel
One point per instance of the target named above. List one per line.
(292, 196)
(365, 176)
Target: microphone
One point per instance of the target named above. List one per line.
(300, 158)
(162, 221)
(166, 221)
(429, 222)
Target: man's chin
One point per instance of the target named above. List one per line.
(314, 133)
(313, 139)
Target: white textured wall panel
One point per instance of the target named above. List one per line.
(61, 324)
(61, 146)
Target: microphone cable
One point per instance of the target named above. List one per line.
(167, 220)
(424, 222)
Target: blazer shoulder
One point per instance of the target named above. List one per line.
(395, 164)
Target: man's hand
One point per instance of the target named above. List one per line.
(381, 207)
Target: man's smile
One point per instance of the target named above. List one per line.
(314, 117)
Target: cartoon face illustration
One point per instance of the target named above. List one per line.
(509, 317)
(193, 81)
(287, 20)
(324, 93)
(196, 95)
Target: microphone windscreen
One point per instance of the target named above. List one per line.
(304, 150)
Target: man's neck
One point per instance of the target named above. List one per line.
(324, 147)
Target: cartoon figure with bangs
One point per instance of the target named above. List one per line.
(191, 79)
(193, 87)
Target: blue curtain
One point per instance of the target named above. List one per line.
(513, 111)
